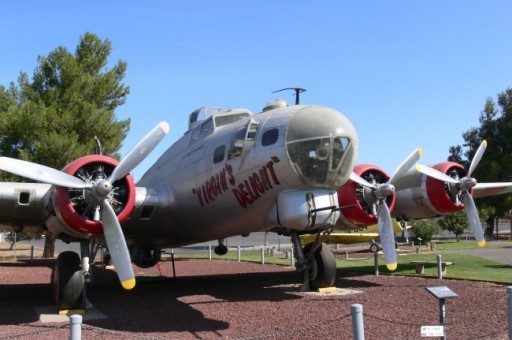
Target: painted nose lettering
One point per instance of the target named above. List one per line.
(246, 191)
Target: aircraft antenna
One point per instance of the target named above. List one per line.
(297, 90)
(98, 145)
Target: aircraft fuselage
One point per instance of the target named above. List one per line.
(224, 177)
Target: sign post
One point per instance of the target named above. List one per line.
(441, 293)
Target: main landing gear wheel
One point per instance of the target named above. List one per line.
(322, 266)
(68, 282)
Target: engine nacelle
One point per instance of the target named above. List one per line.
(356, 212)
(420, 196)
(77, 209)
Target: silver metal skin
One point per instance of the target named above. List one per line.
(196, 199)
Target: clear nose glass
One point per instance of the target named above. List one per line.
(318, 160)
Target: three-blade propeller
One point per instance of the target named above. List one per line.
(379, 193)
(100, 190)
(460, 187)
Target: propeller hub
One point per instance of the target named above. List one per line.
(102, 189)
(384, 190)
(467, 183)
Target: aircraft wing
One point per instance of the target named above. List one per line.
(491, 189)
(23, 206)
(370, 233)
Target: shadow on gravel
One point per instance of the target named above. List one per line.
(48, 263)
(18, 301)
(160, 304)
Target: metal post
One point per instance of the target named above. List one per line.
(262, 252)
(292, 257)
(357, 321)
(439, 268)
(239, 253)
(376, 263)
(509, 309)
(209, 251)
(75, 327)
(15, 247)
(442, 315)
(31, 253)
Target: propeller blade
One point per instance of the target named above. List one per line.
(117, 245)
(473, 218)
(360, 180)
(387, 236)
(41, 173)
(431, 172)
(406, 165)
(139, 152)
(478, 156)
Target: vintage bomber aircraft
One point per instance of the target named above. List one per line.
(232, 173)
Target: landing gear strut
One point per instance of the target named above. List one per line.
(316, 262)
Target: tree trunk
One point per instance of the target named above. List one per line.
(490, 227)
(49, 246)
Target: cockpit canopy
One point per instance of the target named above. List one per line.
(220, 116)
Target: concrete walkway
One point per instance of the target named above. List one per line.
(499, 251)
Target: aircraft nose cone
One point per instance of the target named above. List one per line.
(322, 146)
(317, 121)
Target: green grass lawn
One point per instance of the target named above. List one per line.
(464, 266)
(463, 245)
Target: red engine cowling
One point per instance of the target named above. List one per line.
(437, 191)
(355, 210)
(75, 206)
(420, 196)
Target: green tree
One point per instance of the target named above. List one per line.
(455, 223)
(496, 164)
(72, 97)
(425, 229)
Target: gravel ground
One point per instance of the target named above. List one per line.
(220, 299)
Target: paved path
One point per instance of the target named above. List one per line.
(499, 251)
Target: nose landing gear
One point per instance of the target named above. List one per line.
(316, 262)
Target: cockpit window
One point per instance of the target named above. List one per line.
(269, 137)
(206, 129)
(222, 120)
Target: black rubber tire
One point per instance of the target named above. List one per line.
(374, 248)
(68, 282)
(322, 271)
(221, 250)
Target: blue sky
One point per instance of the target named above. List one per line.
(407, 73)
